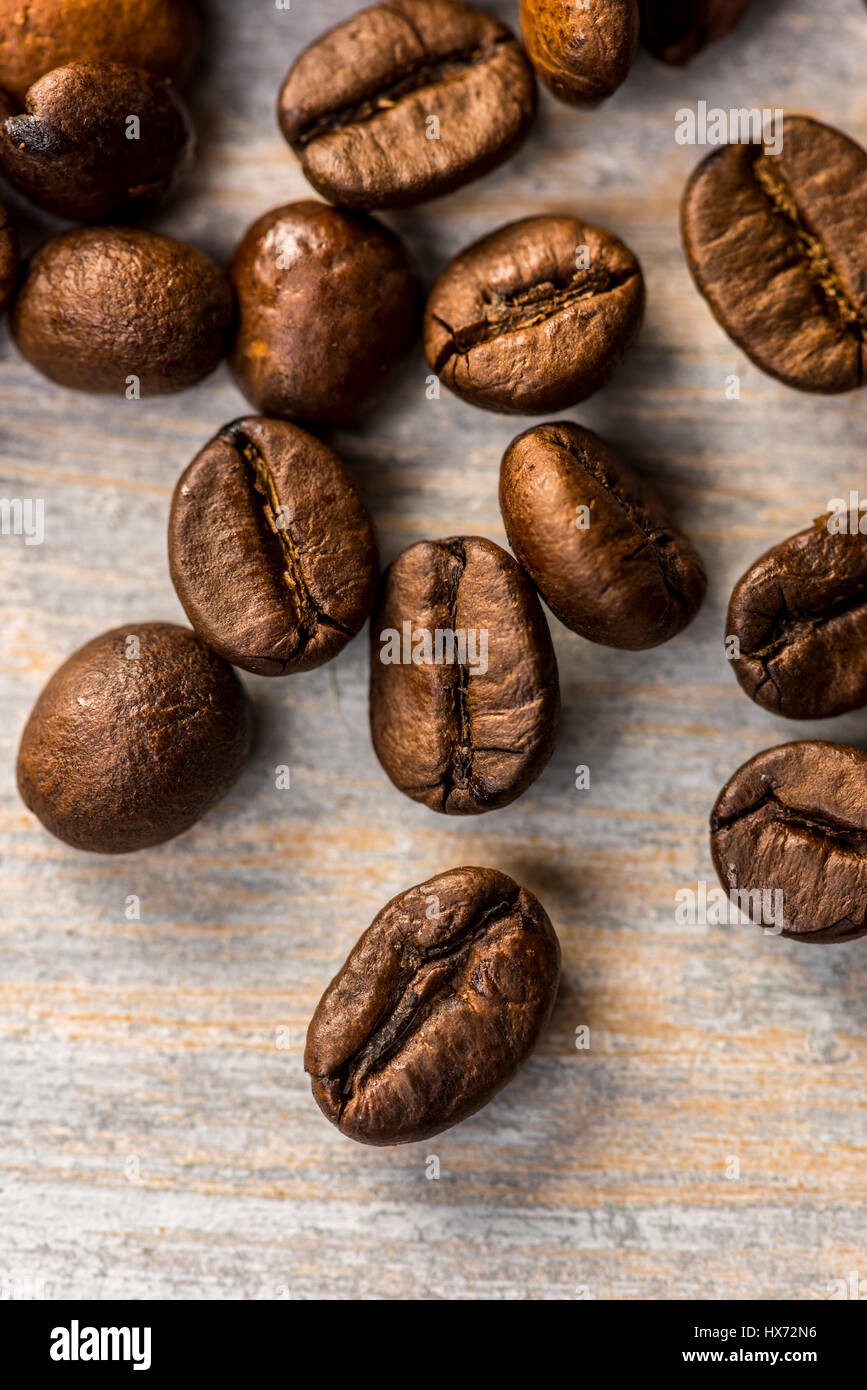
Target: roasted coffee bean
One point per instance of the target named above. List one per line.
(406, 101)
(790, 831)
(117, 310)
(581, 52)
(328, 307)
(8, 258)
(596, 541)
(464, 694)
(271, 549)
(435, 1009)
(160, 36)
(777, 244)
(799, 615)
(133, 739)
(534, 317)
(71, 150)
(675, 30)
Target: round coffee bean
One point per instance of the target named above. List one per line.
(271, 549)
(789, 837)
(777, 244)
(581, 52)
(8, 258)
(407, 101)
(534, 317)
(675, 30)
(596, 541)
(328, 307)
(799, 615)
(133, 739)
(160, 36)
(436, 1008)
(464, 694)
(75, 150)
(117, 310)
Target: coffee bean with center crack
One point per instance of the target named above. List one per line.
(799, 615)
(789, 834)
(464, 694)
(437, 1006)
(271, 549)
(777, 244)
(534, 317)
(407, 101)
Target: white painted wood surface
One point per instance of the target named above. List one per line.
(156, 1139)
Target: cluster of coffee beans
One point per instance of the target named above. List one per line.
(272, 551)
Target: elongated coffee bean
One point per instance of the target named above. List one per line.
(799, 615)
(596, 541)
(133, 739)
(70, 149)
(271, 549)
(8, 258)
(406, 101)
(438, 1005)
(534, 317)
(790, 831)
(581, 52)
(464, 695)
(777, 244)
(675, 30)
(112, 308)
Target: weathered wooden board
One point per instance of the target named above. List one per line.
(157, 1135)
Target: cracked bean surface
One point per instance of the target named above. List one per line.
(437, 1006)
(793, 821)
(271, 549)
(358, 105)
(534, 317)
(777, 244)
(461, 741)
(799, 615)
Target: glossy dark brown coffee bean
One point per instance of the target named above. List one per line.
(777, 244)
(464, 693)
(799, 615)
(534, 317)
(328, 307)
(271, 549)
(792, 824)
(9, 258)
(75, 152)
(595, 540)
(406, 101)
(581, 52)
(436, 1008)
(133, 739)
(675, 30)
(116, 310)
(160, 36)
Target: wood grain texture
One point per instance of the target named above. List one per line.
(157, 1134)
